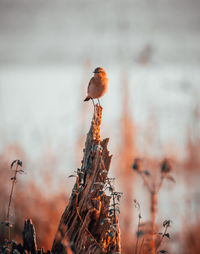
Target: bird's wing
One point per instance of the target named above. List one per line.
(91, 80)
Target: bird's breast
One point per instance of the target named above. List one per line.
(98, 87)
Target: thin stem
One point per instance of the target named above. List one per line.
(153, 214)
(145, 182)
(153, 209)
(137, 235)
(163, 235)
(112, 192)
(10, 199)
(160, 185)
(114, 206)
(141, 245)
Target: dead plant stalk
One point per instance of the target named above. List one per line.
(10, 199)
(154, 196)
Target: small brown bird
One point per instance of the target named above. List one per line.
(98, 85)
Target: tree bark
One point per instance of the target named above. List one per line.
(29, 237)
(87, 225)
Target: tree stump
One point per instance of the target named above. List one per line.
(29, 237)
(89, 224)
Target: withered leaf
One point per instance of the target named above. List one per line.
(19, 163)
(20, 171)
(146, 172)
(171, 179)
(167, 235)
(12, 164)
(165, 166)
(166, 223)
(71, 176)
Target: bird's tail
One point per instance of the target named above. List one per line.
(87, 98)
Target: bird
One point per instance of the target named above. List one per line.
(98, 85)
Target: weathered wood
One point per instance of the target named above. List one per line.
(29, 237)
(86, 224)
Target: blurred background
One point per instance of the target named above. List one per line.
(151, 52)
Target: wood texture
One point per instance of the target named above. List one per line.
(29, 237)
(86, 225)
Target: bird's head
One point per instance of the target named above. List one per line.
(99, 71)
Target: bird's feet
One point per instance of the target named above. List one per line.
(99, 102)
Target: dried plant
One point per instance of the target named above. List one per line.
(166, 225)
(137, 205)
(13, 179)
(153, 189)
(116, 196)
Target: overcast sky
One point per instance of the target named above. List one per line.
(70, 32)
